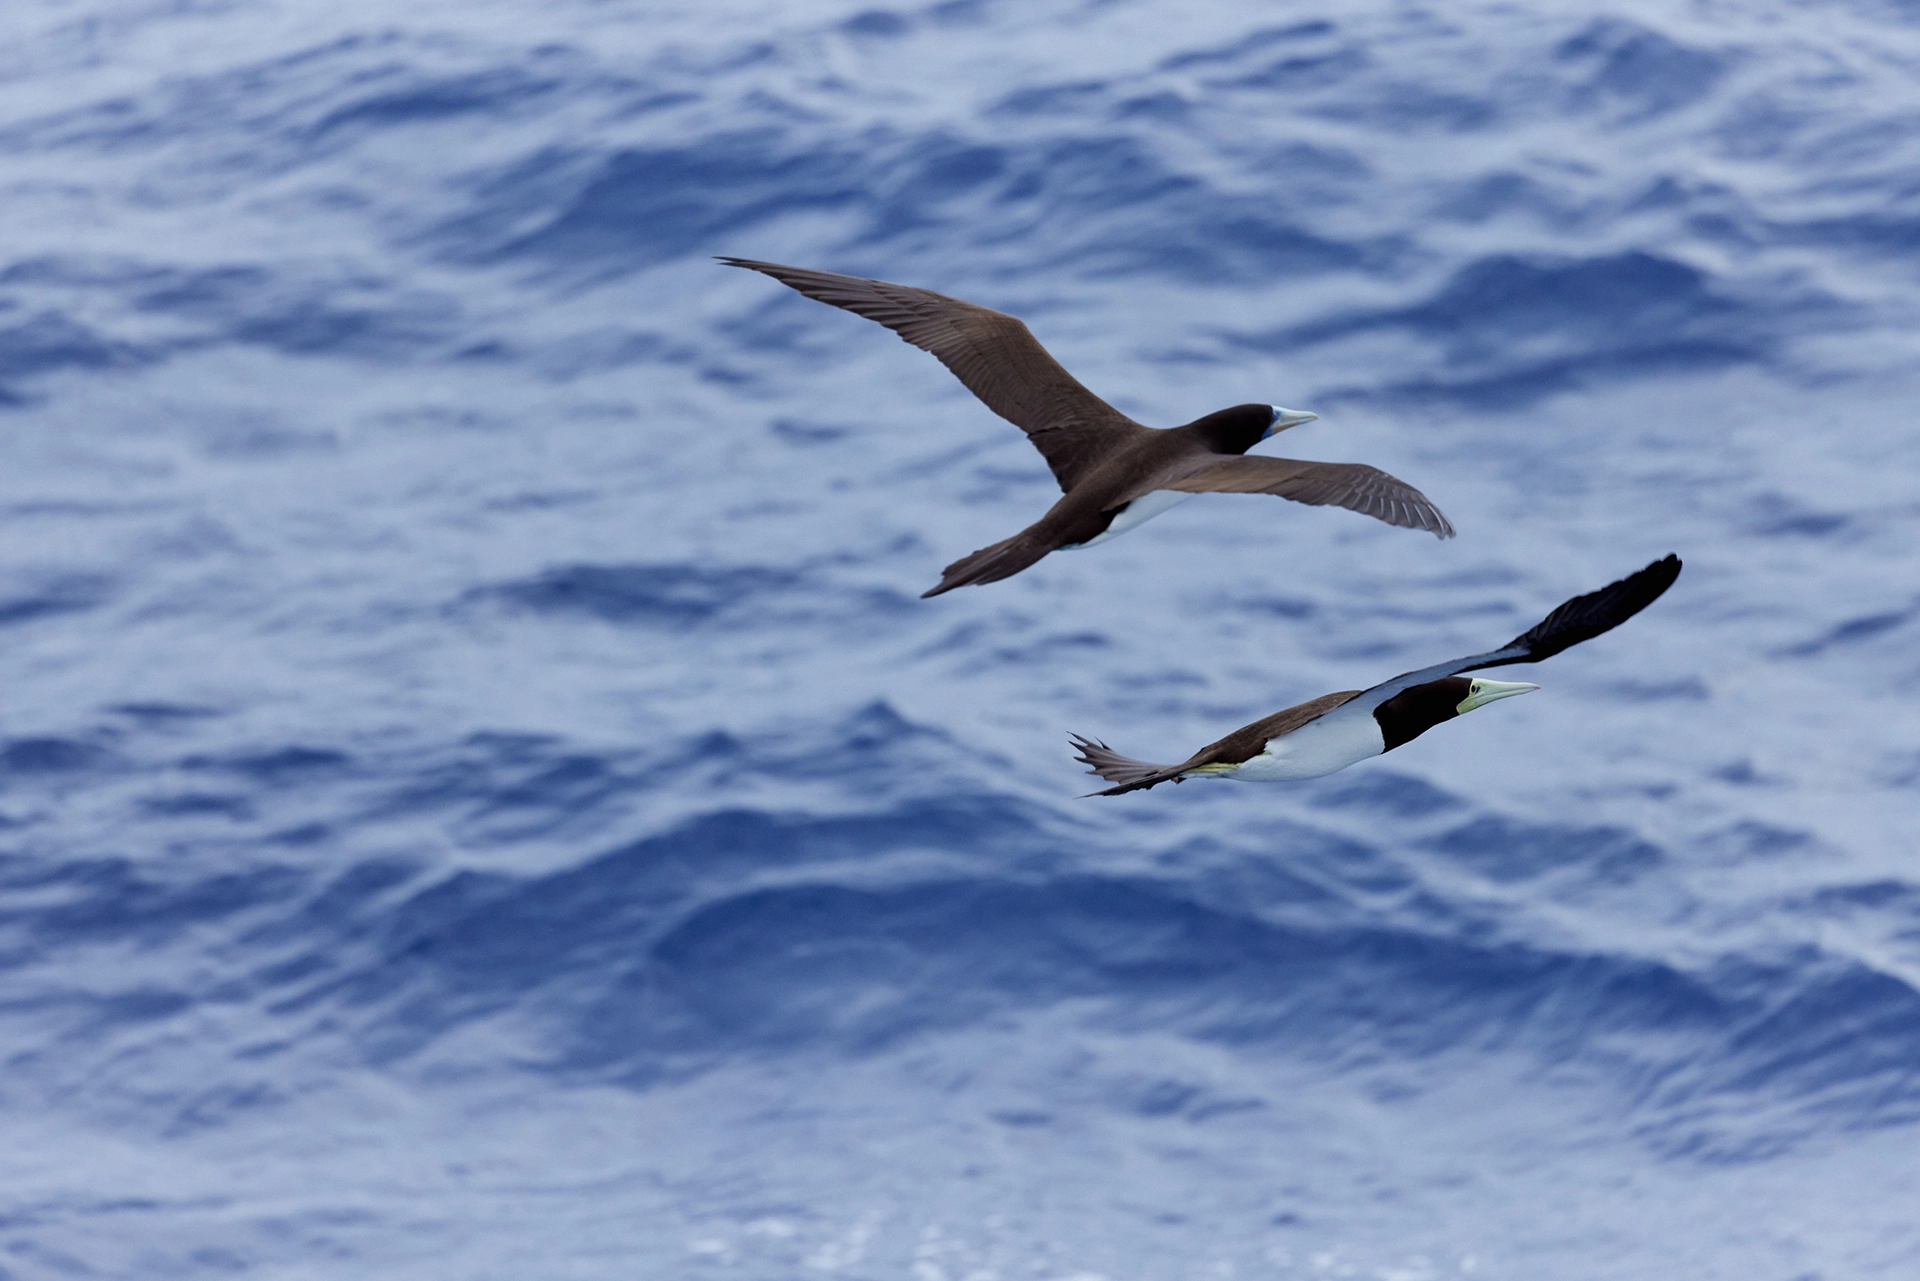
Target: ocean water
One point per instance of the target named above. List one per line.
(480, 798)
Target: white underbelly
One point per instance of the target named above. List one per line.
(1138, 512)
(1319, 747)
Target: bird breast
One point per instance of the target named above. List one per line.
(1138, 512)
(1319, 747)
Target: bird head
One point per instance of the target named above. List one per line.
(1236, 430)
(1412, 712)
(1481, 692)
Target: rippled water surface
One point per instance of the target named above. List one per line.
(480, 798)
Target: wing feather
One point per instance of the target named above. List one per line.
(1355, 486)
(993, 354)
(1580, 619)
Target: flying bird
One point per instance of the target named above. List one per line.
(1114, 473)
(1334, 731)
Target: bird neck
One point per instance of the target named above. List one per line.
(1232, 431)
(1412, 712)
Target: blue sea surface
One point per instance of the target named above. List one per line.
(480, 798)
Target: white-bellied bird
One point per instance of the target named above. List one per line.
(1337, 730)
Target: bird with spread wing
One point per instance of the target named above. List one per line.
(1334, 731)
(1114, 473)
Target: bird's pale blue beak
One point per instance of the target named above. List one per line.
(1285, 418)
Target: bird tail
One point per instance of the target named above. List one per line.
(1131, 775)
(991, 564)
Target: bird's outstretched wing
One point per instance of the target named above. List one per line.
(1355, 486)
(991, 352)
(1576, 620)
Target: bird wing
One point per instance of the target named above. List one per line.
(1355, 486)
(994, 354)
(1576, 620)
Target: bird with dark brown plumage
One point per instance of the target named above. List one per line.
(1114, 473)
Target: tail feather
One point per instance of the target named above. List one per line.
(1131, 775)
(991, 564)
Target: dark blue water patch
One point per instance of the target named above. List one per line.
(502, 791)
(1780, 516)
(1135, 213)
(1900, 899)
(883, 23)
(636, 595)
(1412, 108)
(1248, 46)
(647, 205)
(1634, 68)
(1844, 1036)
(799, 432)
(68, 594)
(833, 967)
(1689, 688)
(197, 804)
(1117, 205)
(31, 756)
(1633, 299)
(476, 943)
(1289, 607)
(1532, 382)
(1051, 100)
(49, 342)
(873, 743)
(498, 91)
(1751, 841)
(489, 766)
(608, 349)
(117, 898)
(664, 956)
(218, 1106)
(1741, 773)
(1854, 631)
(1508, 850)
(295, 765)
(1880, 232)
(329, 909)
(1166, 107)
(1513, 330)
(162, 714)
(1497, 195)
(1385, 792)
(1301, 73)
(257, 306)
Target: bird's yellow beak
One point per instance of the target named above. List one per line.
(1484, 692)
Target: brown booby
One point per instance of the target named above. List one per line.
(1334, 731)
(1114, 472)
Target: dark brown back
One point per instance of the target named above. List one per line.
(1249, 741)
